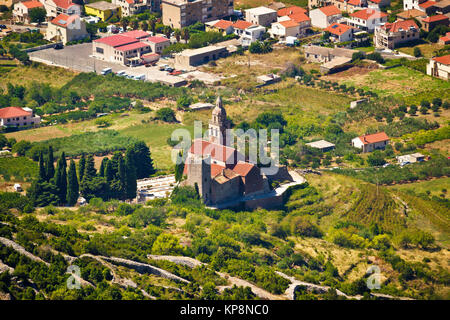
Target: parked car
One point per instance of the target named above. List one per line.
(106, 71)
(58, 46)
(139, 77)
(2, 26)
(121, 73)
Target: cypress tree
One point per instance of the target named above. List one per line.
(72, 184)
(101, 172)
(109, 171)
(131, 183)
(122, 179)
(42, 171)
(61, 178)
(50, 166)
(179, 168)
(81, 166)
(89, 170)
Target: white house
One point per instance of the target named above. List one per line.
(252, 34)
(262, 16)
(56, 7)
(283, 29)
(340, 32)
(22, 10)
(18, 117)
(371, 142)
(422, 5)
(66, 28)
(439, 67)
(325, 16)
(367, 19)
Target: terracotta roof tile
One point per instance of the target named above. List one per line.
(289, 23)
(374, 138)
(330, 10)
(243, 168)
(12, 112)
(291, 10)
(223, 24)
(241, 24)
(427, 4)
(444, 59)
(438, 17)
(299, 17)
(32, 4)
(338, 28)
(367, 14)
(397, 25)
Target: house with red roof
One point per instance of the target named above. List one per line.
(350, 5)
(223, 26)
(22, 9)
(286, 28)
(439, 67)
(371, 142)
(325, 16)
(128, 48)
(18, 117)
(240, 26)
(367, 19)
(291, 10)
(426, 6)
(429, 23)
(445, 39)
(390, 35)
(66, 28)
(340, 32)
(56, 7)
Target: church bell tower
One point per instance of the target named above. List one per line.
(218, 124)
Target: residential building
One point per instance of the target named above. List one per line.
(195, 57)
(261, 16)
(349, 5)
(128, 48)
(340, 32)
(66, 28)
(8, 3)
(439, 67)
(445, 39)
(157, 44)
(283, 29)
(181, 13)
(371, 142)
(422, 5)
(223, 26)
(442, 7)
(240, 26)
(291, 10)
(411, 158)
(411, 14)
(131, 7)
(367, 19)
(18, 117)
(324, 54)
(324, 16)
(429, 23)
(322, 145)
(251, 34)
(390, 35)
(56, 7)
(22, 9)
(102, 9)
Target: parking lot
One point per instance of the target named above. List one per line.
(78, 57)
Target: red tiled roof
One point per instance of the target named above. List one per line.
(223, 24)
(12, 112)
(291, 10)
(427, 4)
(357, 2)
(216, 169)
(130, 1)
(397, 25)
(445, 39)
(243, 168)
(375, 1)
(137, 34)
(299, 17)
(216, 151)
(374, 138)
(444, 59)
(241, 24)
(63, 20)
(330, 10)
(438, 17)
(32, 4)
(289, 23)
(116, 40)
(65, 4)
(367, 14)
(157, 39)
(132, 46)
(338, 28)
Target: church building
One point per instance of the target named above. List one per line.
(220, 171)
